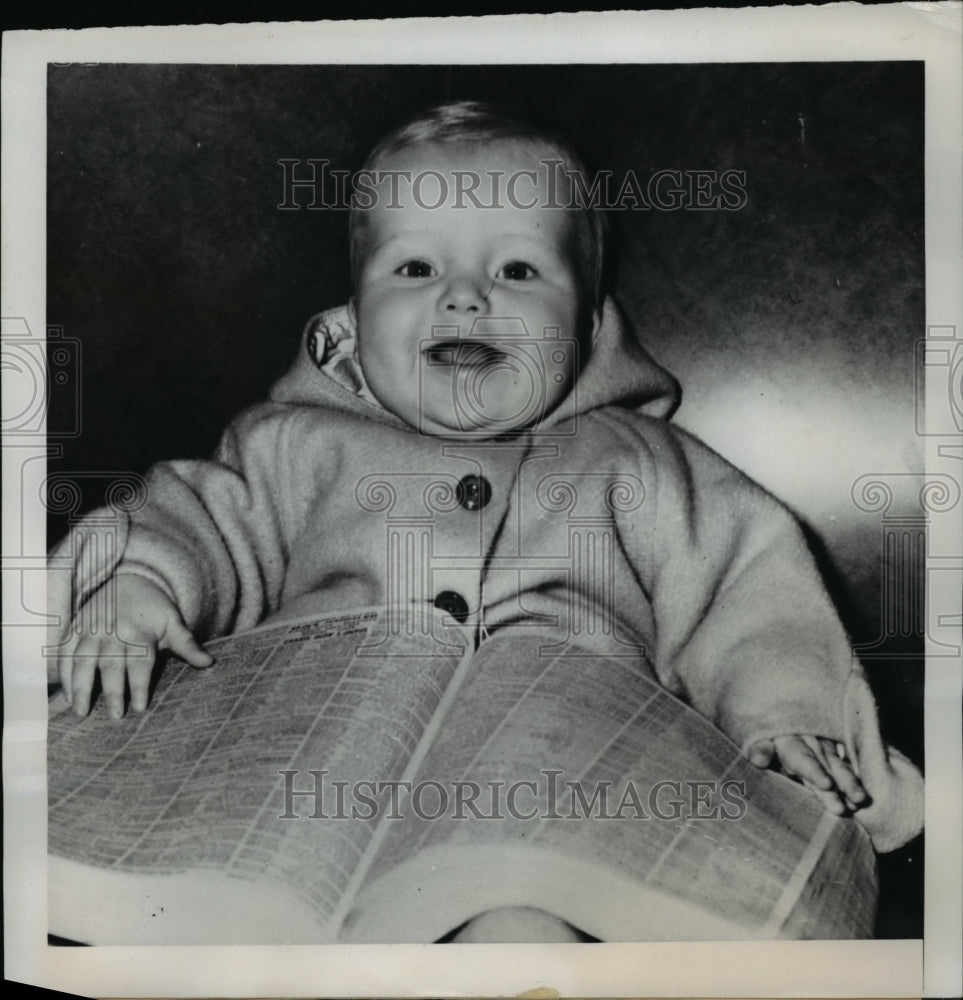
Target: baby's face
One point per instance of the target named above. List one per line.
(470, 318)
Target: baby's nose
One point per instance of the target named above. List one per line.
(466, 293)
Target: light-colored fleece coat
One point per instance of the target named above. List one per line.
(603, 516)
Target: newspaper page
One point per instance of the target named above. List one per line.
(213, 777)
(581, 764)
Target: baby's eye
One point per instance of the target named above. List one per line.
(416, 269)
(517, 270)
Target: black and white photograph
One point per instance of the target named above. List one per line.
(504, 499)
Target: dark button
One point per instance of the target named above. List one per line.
(473, 492)
(452, 603)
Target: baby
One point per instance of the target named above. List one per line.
(478, 350)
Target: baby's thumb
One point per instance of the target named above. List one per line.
(761, 753)
(180, 641)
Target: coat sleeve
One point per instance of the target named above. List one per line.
(747, 633)
(213, 534)
(744, 623)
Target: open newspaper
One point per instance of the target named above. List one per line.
(339, 779)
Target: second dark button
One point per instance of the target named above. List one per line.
(473, 492)
(453, 604)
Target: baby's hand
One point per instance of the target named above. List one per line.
(146, 617)
(820, 764)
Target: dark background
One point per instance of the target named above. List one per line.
(791, 323)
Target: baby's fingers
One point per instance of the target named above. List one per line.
(78, 674)
(179, 640)
(803, 759)
(139, 669)
(112, 675)
(65, 669)
(846, 780)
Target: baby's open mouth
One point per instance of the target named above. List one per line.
(463, 353)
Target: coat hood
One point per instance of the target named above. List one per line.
(618, 372)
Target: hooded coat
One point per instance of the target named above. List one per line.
(602, 521)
